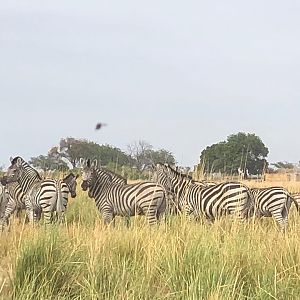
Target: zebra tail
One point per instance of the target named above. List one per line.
(296, 203)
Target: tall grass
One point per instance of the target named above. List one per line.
(83, 259)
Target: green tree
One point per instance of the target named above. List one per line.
(241, 150)
(144, 155)
(72, 149)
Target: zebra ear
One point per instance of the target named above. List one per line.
(19, 162)
(81, 162)
(95, 163)
(11, 159)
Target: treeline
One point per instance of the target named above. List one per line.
(133, 164)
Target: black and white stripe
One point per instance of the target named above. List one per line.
(273, 202)
(114, 199)
(40, 195)
(65, 186)
(213, 201)
(14, 201)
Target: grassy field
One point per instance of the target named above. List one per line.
(176, 260)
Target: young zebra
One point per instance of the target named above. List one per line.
(113, 199)
(273, 202)
(40, 195)
(212, 201)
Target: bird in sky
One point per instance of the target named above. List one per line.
(100, 125)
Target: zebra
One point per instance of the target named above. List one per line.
(65, 186)
(14, 201)
(174, 182)
(210, 201)
(40, 195)
(113, 199)
(273, 202)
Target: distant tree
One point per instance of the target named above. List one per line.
(283, 165)
(140, 151)
(72, 149)
(47, 163)
(241, 150)
(163, 156)
(144, 155)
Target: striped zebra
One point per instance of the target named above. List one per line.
(209, 201)
(65, 186)
(114, 199)
(14, 201)
(273, 202)
(174, 182)
(40, 195)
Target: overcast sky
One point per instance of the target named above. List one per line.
(181, 75)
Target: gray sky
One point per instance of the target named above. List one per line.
(179, 74)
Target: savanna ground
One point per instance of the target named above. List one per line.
(82, 259)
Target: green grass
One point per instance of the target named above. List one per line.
(83, 259)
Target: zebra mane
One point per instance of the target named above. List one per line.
(178, 173)
(70, 175)
(100, 172)
(113, 174)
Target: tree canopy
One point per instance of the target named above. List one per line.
(241, 150)
(140, 155)
(144, 155)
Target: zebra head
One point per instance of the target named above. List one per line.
(162, 176)
(71, 182)
(88, 173)
(14, 171)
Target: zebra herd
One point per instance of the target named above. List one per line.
(170, 192)
(24, 188)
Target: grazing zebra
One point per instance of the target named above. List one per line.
(114, 199)
(40, 195)
(273, 202)
(209, 201)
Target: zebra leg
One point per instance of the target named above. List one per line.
(10, 208)
(29, 210)
(48, 217)
(151, 215)
(277, 215)
(108, 217)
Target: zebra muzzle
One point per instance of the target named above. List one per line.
(84, 185)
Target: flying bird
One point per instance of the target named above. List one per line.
(99, 126)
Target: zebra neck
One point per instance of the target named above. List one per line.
(27, 182)
(181, 186)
